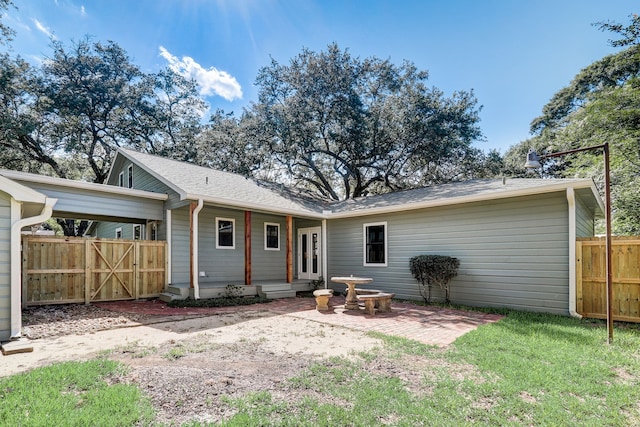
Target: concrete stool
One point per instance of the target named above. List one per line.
(322, 298)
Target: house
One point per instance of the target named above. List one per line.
(515, 238)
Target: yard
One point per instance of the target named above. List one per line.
(527, 369)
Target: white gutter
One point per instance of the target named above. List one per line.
(325, 261)
(571, 199)
(16, 267)
(195, 265)
(252, 206)
(26, 178)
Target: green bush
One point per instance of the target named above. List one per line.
(217, 302)
(432, 270)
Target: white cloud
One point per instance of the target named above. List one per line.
(211, 81)
(83, 12)
(46, 31)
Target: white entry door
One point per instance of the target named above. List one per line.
(309, 253)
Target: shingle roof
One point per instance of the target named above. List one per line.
(196, 182)
(455, 193)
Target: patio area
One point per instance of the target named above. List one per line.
(429, 325)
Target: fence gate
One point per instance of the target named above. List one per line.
(71, 270)
(591, 294)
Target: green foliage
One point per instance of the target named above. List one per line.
(6, 33)
(340, 127)
(599, 105)
(431, 270)
(72, 394)
(218, 302)
(233, 291)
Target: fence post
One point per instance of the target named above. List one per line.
(25, 277)
(136, 269)
(579, 299)
(87, 272)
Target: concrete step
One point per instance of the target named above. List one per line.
(170, 296)
(182, 291)
(280, 294)
(274, 287)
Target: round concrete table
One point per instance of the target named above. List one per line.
(351, 302)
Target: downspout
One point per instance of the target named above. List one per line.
(169, 247)
(195, 265)
(16, 265)
(571, 199)
(325, 251)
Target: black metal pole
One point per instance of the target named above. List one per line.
(607, 195)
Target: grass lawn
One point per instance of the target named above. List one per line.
(527, 369)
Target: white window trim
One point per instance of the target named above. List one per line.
(273, 224)
(130, 176)
(133, 230)
(364, 245)
(118, 231)
(121, 179)
(233, 233)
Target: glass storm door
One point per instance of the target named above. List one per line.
(309, 253)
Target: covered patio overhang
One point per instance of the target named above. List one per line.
(195, 206)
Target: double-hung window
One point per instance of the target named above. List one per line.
(225, 233)
(375, 244)
(271, 236)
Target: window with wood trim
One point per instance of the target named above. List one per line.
(375, 244)
(225, 233)
(271, 236)
(121, 179)
(118, 233)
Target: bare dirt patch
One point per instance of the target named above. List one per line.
(192, 369)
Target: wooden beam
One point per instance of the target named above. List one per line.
(289, 249)
(247, 248)
(192, 207)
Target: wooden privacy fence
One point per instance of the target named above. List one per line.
(591, 296)
(72, 269)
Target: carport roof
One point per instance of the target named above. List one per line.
(32, 200)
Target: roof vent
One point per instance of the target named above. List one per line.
(504, 180)
(206, 180)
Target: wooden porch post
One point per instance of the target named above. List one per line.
(247, 248)
(192, 207)
(289, 249)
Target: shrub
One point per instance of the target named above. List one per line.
(434, 269)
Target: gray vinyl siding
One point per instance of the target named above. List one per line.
(180, 246)
(5, 267)
(268, 264)
(584, 220)
(513, 252)
(220, 264)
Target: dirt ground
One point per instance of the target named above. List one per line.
(187, 366)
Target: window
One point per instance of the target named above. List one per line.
(130, 176)
(119, 233)
(152, 230)
(137, 232)
(271, 236)
(225, 230)
(121, 179)
(375, 244)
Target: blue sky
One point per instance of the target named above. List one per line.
(514, 54)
